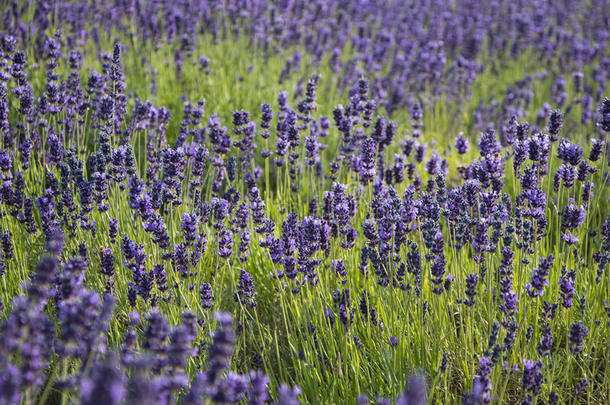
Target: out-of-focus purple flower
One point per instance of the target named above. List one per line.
(257, 392)
(414, 392)
(393, 341)
(604, 115)
(204, 63)
(287, 395)
(55, 241)
(80, 323)
(433, 165)
(222, 347)
(461, 144)
(555, 123)
(483, 379)
(476, 396)
(569, 238)
(581, 387)
(105, 384)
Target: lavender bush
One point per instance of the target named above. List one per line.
(304, 202)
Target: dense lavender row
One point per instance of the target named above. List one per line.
(305, 250)
(407, 48)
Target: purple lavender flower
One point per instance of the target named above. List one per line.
(362, 400)
(245, 290)
(55, 148)
(244, 244)
(81, 322)
(266, 117)
(581, 387)
(257, 392)
(107, 262)
(367, 160)
(225, 244)
(415, 391)
(597, 148)
(488, 144)
(572, 216)
(471, 285)
(483, 379)
(156, 226)
(566, 288)
(160, 277)
(113, 229)
(578, 333)
(567, 173)
(287, 395)
(222, 347)
(555, 123)
(538, 281)
(433, 165)
(587, 192)
(132, 294)
(569, 153)
(461, 144)
(7, 245)
(205, 293)
(476, 396)
(189, 227)
(539, 147)
(569, 239)
(242, 216)
(604, 115)
(546, 341)
(532, 377)
(367, 310)
(105, 384)
(340, 270)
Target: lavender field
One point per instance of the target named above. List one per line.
(304, 202)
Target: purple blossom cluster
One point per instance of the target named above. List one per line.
(151, 368)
